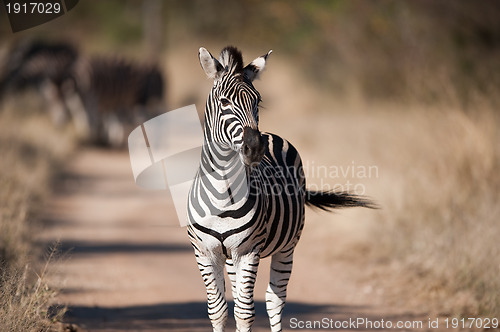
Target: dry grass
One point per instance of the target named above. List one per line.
(25, 301)
(30, 149)
(436, 236)
(440, 225)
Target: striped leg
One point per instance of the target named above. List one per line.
(212, 273)
(54, 99)
(244, 308)
(281, 268)
(231, 273)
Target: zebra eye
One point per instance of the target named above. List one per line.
(225, 102)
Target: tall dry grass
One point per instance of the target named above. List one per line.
(30, 151)
(440, 230)
(437, 233)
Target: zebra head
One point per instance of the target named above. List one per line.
(232, 109)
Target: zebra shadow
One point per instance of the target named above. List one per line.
(192, 316)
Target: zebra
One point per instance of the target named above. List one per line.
(105, 97)
(123, 94)
(247, 200)
(53, 70)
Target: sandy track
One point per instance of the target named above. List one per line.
(130, 267)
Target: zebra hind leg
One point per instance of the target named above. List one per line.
(212, 273)
(281, 268)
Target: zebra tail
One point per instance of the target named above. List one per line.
(329, 200)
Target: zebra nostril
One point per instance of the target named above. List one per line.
(253, 147)
(251, 138)
(246, 150)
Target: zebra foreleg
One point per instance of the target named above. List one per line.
(54, 100)
(212, 272)
(114, 130)
(78, 113)
(244, 308)
(231, 273)
(281, 268)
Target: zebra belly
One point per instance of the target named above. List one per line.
(228, 236)
(284, 187)
(284, 226)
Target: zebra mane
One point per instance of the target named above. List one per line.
(231, 59)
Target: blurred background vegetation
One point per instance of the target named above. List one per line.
(437, 61)
(420, 51)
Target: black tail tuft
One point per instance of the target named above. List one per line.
(329, 200)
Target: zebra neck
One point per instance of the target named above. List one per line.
(227, 183)
(219, 157)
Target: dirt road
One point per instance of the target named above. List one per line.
(129, 265)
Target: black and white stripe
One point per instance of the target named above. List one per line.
(105, 97)
(50, 68)
(248, 198)
(121, 95)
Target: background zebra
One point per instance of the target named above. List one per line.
(124, 95)
(248, 198)
(50, 68)
(105, 97)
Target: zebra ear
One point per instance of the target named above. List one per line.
(210, 65)
(255, 67)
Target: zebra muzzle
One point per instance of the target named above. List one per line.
(253, 147)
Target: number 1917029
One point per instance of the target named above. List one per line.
(33, 7)
(468, 323)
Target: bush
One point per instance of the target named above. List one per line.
(443, 231)
(31, 150)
